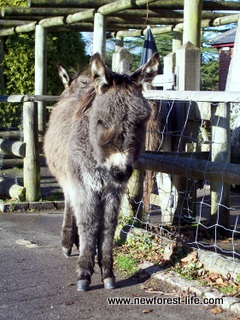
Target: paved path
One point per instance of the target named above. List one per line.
(37, 282)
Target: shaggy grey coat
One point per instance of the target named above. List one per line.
(96, 133)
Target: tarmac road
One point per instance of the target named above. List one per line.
(37, 282)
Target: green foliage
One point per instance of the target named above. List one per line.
(210, 65)
(164, 45)
(135, 45)
(13, 3)
(230, 290)
(209, 75)
(126, 264)
(67, 48)
(18, 64)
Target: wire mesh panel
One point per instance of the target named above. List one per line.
(192, 198)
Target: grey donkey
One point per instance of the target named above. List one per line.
(96, 133)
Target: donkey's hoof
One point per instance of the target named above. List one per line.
(67, 252)
(82, 285)
(109, 283)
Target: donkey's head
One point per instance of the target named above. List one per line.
(118, 116)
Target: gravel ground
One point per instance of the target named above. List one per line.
(37, 282)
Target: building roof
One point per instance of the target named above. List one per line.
(226, 38)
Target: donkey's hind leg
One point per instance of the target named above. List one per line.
(69, 230)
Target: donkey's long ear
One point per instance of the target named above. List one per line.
(148, 71)
(100, 74)
(64, 76)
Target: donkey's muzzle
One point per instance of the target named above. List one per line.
(121, 175)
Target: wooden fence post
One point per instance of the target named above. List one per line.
(233, 85)
(220, 152)
(169, 68)
(192, 21)
(131, 203)
(40, 76)
(188, 69)
(121, 61)
(99, 34)
(2, 80)
(188, 58)
(177, 39)
(31, 173)
(118, 43)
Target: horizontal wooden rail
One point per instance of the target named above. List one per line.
(8, 188)
(19, 98)
(11, 147)
(45, 98)
(11, 134)
(191, 168)
(198, 96)
(11, 163)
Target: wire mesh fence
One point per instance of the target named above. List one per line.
(192, 198)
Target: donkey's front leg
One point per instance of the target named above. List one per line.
(105, 242)
(87, 235)
(87, 215)
(69, 230)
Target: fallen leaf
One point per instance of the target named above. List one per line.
(216, 310)
(154, 291)
(26, 243)
(213, 276)
(192, 257)
(156, 257)
(69, 303)
(71, 284)
(143, 286)
(228, 275)
(219, 281)
(199, 265)
(168, 251)
(147, 311)
(150, 289)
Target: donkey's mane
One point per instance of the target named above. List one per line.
(86, 101)
(123, 81)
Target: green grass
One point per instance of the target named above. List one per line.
(126, 264)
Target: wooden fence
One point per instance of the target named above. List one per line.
(28, 149)
(218, 171)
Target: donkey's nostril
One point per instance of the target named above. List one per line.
(121, 175)
(129, 171)
(117, 174)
